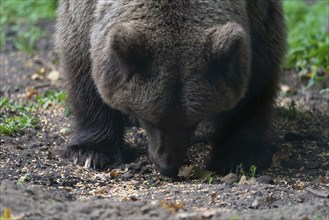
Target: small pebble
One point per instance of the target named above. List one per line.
(252, 180)
(243, 179)
(265, 179)
(34, 144)
(230, 178)
(255, 204)
(127, 175)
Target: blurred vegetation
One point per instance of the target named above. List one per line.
(308, 39)
(308, 32)
(20, 25)
(19, 22)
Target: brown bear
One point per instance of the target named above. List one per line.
(172, 64)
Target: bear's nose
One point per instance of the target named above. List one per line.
(168, 171)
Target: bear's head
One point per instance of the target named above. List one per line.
(170, 79)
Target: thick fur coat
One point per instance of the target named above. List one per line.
(171, 64)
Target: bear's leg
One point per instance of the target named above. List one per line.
(241, 137)
(98, 140)
(247, 146)
(99, 129)
(241, 133)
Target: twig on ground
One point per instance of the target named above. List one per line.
(318, 193)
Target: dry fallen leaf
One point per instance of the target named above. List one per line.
(29, 63)
(39, 74)
(322, 180)
(6, 215)
(36, 76)
(172, 206)
(100, 191)
(53, 75)
(280, 156)
(117, 172)
(299, 185)
(213, 196)
(186, 171)
(42, 71)
(287, 89)
(30, 92)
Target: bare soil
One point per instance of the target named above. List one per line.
(36, 183)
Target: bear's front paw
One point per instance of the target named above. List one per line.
(92, 156)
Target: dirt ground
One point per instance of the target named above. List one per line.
(35, 183)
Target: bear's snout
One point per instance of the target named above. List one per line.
(167, 147)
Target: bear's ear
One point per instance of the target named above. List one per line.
(129, 47)
(224, 43)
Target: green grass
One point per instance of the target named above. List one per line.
(308, 39)
(15, 118)
(21, 17)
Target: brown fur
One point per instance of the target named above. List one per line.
(172, 64)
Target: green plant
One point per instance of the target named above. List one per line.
(14, 117)
(292, 109)
(204, 174)
(21, 17)
(317, 217)
(25, 41)
(308, 39)
(248, 173)
(233, 218)
(51, 97)
(252, 171)
(290, 112)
